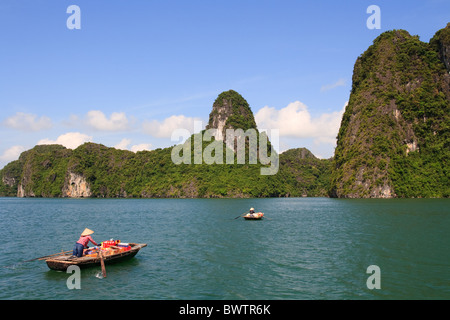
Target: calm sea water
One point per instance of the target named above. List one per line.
(307, 248)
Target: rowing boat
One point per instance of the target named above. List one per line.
(254, 216)
(114, 254)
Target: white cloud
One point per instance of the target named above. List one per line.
(296, 121)
(124, 143)
(118, 121)
(141, 147)
(165, 128)
(69, 140)
(340, 83)
(12, 154)
(28, 122)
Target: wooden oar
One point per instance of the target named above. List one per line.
(49, 256)
(102, 262)
(241, 215)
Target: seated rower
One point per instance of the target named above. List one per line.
(83, 242)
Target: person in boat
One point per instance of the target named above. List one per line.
(83, 242)
(252, 212)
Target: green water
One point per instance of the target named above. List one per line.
(307, 248)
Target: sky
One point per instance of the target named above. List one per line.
(134, 71)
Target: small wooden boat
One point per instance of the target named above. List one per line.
(63, 261)
(254, 216)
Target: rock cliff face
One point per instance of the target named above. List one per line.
(76, 187)
(22, 193)
(441, 44)
(394, 136)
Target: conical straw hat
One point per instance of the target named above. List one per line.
(87, 232)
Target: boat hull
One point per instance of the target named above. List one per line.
(255, 216)
(61, 263)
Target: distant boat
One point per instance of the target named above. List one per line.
(254, 216)
(115, 254)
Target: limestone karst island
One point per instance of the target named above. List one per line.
(394, 141)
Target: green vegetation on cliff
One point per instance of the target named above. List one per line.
(44, 170)
(97, 171)
(394, 138)
(394, 141)
(239, 115)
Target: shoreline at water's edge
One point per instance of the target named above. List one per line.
(221, 197)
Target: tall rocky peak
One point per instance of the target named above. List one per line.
(300, 153)
(230, 111)
(441, 43)
(394, 139)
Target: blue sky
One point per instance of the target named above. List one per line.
(138, 69)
